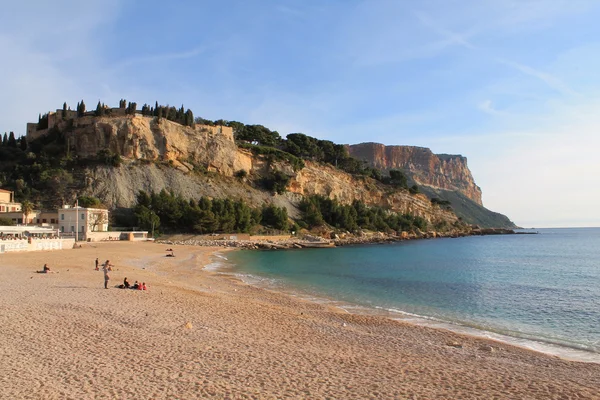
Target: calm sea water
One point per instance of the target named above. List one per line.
(540, 291)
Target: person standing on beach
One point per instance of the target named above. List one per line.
(97, 264)
(106, 277)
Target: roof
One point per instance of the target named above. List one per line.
(22, 229)
(6, 191)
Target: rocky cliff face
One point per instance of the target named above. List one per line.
(165, 155)
(440, 171)
(145, 138)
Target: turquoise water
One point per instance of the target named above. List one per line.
(544, 288)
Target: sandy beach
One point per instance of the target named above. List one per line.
(200, 334)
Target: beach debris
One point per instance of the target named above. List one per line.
(487, 348)
(188, 325)
(344, 324)
(454, 344)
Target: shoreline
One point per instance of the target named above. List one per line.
(307, 241)
(198, 333)
(565, 352)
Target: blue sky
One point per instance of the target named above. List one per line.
(513, 85)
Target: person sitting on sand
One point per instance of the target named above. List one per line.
(171, 254)
(46, 270)
(135, 285)
(143, 285)
(126, 284)
(140, 287)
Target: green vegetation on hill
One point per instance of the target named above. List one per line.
(317, 210)
(170, 213)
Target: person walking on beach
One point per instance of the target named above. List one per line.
(97, 264)
(106, 277)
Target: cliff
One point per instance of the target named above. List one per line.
(160, 154)
(203, 161)
(438, 171)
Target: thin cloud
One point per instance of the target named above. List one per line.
(156, 58)
(450, 36)
(487, 107)
(550, 80)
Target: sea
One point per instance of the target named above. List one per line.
(538, 291)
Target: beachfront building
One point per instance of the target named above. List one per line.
(7, 202)
(82, 220)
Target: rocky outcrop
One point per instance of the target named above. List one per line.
(152, 139)
(441, 171)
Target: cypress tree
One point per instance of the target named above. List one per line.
(12, 142)
(98, 109)
(5, 140)
(23, 143)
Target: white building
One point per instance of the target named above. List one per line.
(82, 220)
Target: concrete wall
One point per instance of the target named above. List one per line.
(32, 244)
(104, 236)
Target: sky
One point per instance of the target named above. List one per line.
(513, 85)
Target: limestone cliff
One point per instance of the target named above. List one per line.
(439, 171)
(152, 139)
(202, 161)
(159, 154)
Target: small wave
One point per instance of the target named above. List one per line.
(214, 266)
(569, 351)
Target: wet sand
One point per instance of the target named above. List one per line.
(200, 334)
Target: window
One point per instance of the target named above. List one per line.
(38, 221)
(72, 229)
(62, 217)
(44, 220)
(62, 228)
(82, 216)
(52, 220)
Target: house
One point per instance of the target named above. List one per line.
(82, 220)
(7, 201)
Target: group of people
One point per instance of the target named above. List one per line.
(107, 266)
(136, 285)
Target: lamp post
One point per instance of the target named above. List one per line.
(152, 217)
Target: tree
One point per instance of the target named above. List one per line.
(99, 109)
(5, 140)
(27, 208)
(397, 178)
(12, 142)
(6, 221)
(89, 202)
(80, 109)
(96, 221)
